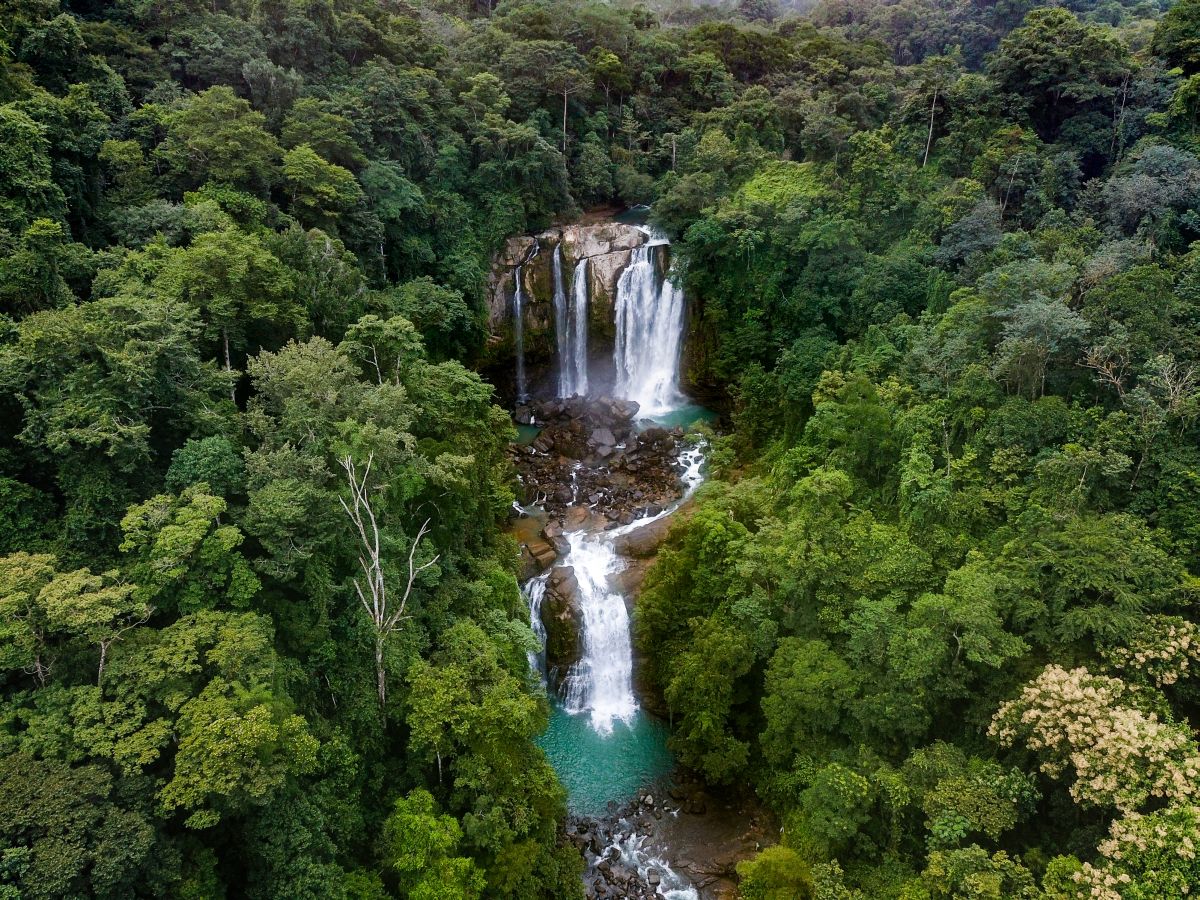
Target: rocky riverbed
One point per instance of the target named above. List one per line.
(670, 839)
(592, 466)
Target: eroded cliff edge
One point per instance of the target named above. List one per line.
(607, 247)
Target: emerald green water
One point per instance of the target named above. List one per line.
(527, 434)
(686, 416)
(635, 215)
(596, 768)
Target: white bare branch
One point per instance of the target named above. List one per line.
(385, 613)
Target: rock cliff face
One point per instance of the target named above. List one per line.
(608, 249)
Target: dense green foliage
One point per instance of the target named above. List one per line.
(243, 251)
(942, 604)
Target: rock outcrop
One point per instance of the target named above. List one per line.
(562, 617)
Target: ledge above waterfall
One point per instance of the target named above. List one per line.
(606, 245)
(581, 241)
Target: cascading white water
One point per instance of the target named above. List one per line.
(535, 592)
(649, 311)
(519, 332)
(570, 327)
(636, 853)
(579, 321)
(602, 681)
(519, 323)
(562, 325)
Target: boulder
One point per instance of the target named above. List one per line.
(654, 435)
(542, 553)
(562, 617)
(603, 437)
(625, 410)
(576, 518)
(644, 541)
(515, 251)
(600, 239)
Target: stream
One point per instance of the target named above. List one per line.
(606, 749)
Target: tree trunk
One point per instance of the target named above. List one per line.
(1112, 150)
(929, 139)
(564, 150)
(229, 366)
(380, 673)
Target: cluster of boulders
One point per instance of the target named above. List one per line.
(592, 453)
(608, 874)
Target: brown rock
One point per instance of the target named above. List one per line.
(562, 617)
(575, 518)
(644, 541)
(542, 553)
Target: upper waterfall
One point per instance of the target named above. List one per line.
(579, 322)
(649, 314)
(519, 323)
(519, 332)
(571, 327)
(562, 325)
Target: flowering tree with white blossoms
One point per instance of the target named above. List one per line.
(1149, 857)
(1164, 652)
(1121, 756)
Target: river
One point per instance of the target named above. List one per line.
(608, 751)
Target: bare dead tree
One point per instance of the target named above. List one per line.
(385, 613)
(932, 114)
(1111, 366)
(1176, 383)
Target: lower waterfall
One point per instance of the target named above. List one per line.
(602, 744)
(601, 683)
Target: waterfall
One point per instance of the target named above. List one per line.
(571, 327)
(602, 681)
(579, 319)
(519, 323)
(535, 592)
(562, 325)
(649, 324)
(519, 333)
